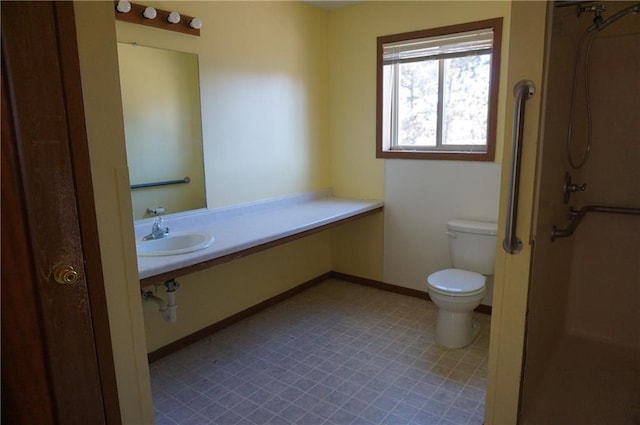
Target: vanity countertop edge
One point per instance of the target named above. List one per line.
(243, 230)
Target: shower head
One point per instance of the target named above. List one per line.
(599, 24)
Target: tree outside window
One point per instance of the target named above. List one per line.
(437, 92)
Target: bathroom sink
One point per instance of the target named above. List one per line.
(175, 243)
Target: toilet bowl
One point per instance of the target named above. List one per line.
(458, 291)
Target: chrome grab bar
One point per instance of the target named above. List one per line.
(578, 215)
(522, 92)
(163, 183)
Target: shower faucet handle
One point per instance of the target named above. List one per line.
(577, 188)
(568, 188)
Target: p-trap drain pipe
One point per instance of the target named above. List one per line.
(167, 309)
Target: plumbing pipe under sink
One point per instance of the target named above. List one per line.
(167, 309)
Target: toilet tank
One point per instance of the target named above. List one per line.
(472, 245)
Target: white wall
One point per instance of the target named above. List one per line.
(420, 196)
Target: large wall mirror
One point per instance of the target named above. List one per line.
(163, 129)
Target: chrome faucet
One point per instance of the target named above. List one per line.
(157, 231)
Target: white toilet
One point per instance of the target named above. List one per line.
(458, 291)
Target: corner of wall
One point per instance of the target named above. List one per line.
(100, 85)
(356, 247)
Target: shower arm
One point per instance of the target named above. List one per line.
(578, 215)
(600, 25)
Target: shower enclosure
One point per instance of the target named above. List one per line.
(582, 347)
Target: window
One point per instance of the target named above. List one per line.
(438, 92)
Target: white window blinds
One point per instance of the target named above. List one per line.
(451, 45)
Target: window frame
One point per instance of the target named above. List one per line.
(495, 25)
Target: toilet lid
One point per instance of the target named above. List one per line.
(456, 282)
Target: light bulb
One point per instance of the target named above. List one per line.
(150, 13)
(195, 23)
(173, 18)
(123, 6)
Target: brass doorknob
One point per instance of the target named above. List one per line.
(65, 275)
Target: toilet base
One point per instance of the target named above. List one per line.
(456, 329)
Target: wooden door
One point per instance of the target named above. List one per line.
(57, 365)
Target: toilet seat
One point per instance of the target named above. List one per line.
(456, 282)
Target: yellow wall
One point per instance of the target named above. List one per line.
(214, 294)
(103, 113)
(356, 248)
(353, 30)
(512, 271)
(263, 85)
(420, 196)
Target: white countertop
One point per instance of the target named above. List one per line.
(236, 229)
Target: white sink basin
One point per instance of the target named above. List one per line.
(175, 243)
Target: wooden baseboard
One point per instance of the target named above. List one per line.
(218, 326)
(380, 285)
(484, 309)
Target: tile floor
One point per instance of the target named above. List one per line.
(336, 354)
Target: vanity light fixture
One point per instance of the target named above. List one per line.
(173, 18)
(136, 13)
(195, 23)
(123, 6)
(150, 13)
